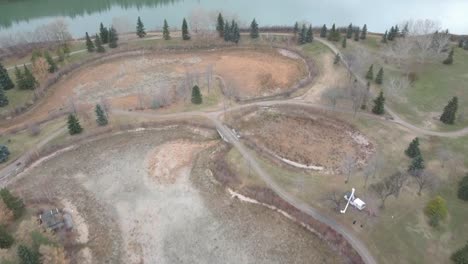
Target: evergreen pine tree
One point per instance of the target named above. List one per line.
(196, 95)
(356, 34)
(254, 29)
(29, 80)
(349, 31)
(27, 255)
(334, 34)
(3, 98)
(380, 75)
(413, 149)
(104, 34)
(166, 33)
(140, 29)
(323, 32)
(227, 32)
(5, 80)
(379, 102)
(384, 37)
(450, 111)
(15, 204)
(396, 32)
(4, 154)
(417, 165)
(74, 126)
(296, 29)
(220, 26)
(310, 35)
(20, 82)
(302, 35)
(405, 30)
(6, 240)
(235, 33)
(343, 44)
(101, 117)
(89, 43)
(113, 38)
(370, 73)
(337, 58)
(98, 44)
(391, 34)
(449, 59)
(185, 32)
(52, 65)
(364, 32)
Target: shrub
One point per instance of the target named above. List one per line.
(4, 153)
(6, 240)
(460, 256)
(463, 188)
(13, 203)
(27, 256)
(436, 210)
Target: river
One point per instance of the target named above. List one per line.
(85, 15)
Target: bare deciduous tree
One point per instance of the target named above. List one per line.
(397, 86)
(333, 95)
(348, 166)
(425, 179)
(444, 155)
(334, 198)
(389, 186)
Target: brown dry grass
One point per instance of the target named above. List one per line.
(120, 80)
(304, 136)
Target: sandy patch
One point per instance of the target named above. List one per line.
(165, 161)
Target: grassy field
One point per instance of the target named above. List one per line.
(399, 233)
(436, 83)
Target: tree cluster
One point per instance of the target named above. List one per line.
(15, 204)
(305, 35)
(334, 34)
(324, 31)
(450, 111)
(25, 80)
(105, 36)
(231, 32)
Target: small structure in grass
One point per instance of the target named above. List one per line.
(55, 219)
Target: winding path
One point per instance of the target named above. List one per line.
(225, 132)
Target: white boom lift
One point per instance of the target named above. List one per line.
(354, 201)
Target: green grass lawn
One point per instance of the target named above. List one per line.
(23, 141)
(436, 84)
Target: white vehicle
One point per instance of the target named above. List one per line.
(354, 201)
